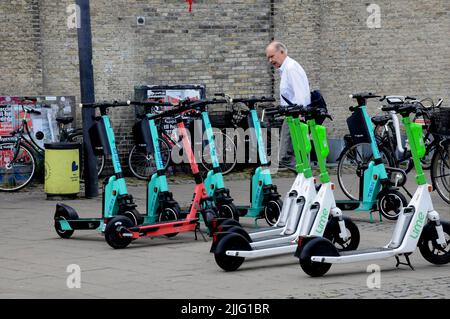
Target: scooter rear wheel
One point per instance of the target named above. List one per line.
(272, 211)
(430, 249)
(231, 242)
(112, 232)
(66, 215)
(321, 247)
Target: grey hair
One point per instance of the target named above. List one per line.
(280, 46)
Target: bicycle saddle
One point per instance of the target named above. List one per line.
(381, 119)
(64, 119)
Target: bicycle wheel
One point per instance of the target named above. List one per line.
(440, 171)
(226, 153)
(352, 163)
(78, 138)
(142, 165)
(17, 166)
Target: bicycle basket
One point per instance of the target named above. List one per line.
(358, 128)
(142, 135)
(99, 139)
(440, 121)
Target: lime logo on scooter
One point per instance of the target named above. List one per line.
(418, 225)
(323, 221)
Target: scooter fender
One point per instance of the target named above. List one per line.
(222, 240)
(217, 223)
(301, 242)
(70, 211)
(317, 246)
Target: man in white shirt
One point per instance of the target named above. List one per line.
(294, 87)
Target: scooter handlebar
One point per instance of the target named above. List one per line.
(105, 104)
(151, 103)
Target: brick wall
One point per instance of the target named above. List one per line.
(221, 44)
(20, 48)
(409, 54)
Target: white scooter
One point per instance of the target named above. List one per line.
(300, 195)
(418, 224)
(321, 217)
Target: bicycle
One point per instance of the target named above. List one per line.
(142, 164)
(387, 132)
(357, 152)
(436, 123)
(20, 154)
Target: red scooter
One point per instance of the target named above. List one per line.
(121, 231)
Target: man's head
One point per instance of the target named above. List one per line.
(276, 52)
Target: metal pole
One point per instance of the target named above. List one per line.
(87, 96)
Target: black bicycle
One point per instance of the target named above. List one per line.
(436, 128)
(21, 155)
(142, 164)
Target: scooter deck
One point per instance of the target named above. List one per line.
(364, 251)
(163, 228)
(84, 223)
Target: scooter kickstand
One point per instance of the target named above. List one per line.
(408, 262)
(197, 228)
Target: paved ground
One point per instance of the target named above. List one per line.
(34, 260)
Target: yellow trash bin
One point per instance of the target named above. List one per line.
(62, 170)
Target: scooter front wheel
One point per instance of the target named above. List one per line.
(430, 249)
(229, 210)
(113, 235)
(272, 211)
(332, 234)
(170, 214)
(390, 203)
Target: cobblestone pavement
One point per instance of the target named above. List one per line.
(34, 259)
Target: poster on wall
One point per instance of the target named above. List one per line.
(12, 114)
(173, 94)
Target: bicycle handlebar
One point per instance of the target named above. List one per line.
(253, 100)
(405, 107)
(295, 110)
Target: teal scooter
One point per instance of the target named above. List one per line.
(265, 200)
(160, 203)
(116, 199)
(377, 190)
(214, 181)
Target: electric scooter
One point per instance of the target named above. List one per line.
(377, 191)
(214, 181)
(417, 225)
(160, 203)
(116, 199)
(300, 195)
(321, 217)
(121, 231)
(264, 198)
